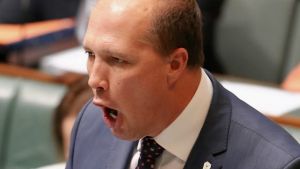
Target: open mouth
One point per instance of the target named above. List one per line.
(111, 114)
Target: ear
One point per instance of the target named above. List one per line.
(177, 64)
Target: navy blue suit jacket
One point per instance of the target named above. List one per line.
(234, 136)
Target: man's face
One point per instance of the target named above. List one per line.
(127, 76)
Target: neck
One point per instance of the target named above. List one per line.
(186, 89)
(180, 96)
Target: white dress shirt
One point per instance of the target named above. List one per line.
(179, 137)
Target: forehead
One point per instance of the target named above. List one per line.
(118, 23)
(123, 6)
(118, 20)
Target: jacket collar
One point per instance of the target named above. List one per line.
(212, 140)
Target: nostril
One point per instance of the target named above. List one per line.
(103, 84)
(99, 90)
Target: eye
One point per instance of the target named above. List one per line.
(90, 54)
(118, 60)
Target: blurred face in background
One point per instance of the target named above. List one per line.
(64, 118)
(67, 126)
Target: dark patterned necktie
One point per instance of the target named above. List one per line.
(150, 151)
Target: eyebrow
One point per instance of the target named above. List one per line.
(108, 52)
(113, 53)
(86, 48)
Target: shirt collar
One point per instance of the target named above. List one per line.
(179, 137)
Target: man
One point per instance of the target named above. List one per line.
(150, 95)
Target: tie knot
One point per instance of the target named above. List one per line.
(150, 148)
(150, 151)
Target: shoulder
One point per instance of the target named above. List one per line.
(250, 127)
(87, 115)
(87, 136)
(89, 122)
(253, 140)
(259, 139)
(92, 143)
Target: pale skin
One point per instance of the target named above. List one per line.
(147, 89)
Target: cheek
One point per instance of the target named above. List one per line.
(139, 83)
(141, 86)
(139, 92)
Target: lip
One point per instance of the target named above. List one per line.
(108, 120)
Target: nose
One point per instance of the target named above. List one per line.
(98, 77)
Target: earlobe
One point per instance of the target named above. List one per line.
(177, 64)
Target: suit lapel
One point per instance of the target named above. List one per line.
(212, 140)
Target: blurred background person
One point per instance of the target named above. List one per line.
(65, 115)
(64, 118)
